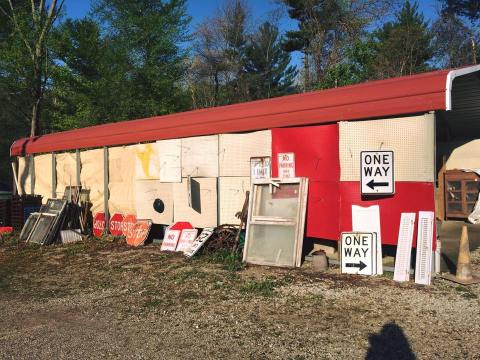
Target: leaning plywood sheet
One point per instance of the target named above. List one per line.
(207, 217)
(367, 219)
(43, 176)
(66, 171)
(154, 201)
(121, 168)
(410, 138)
(147, 161)
(232, 196)
(466, 156)
(91, 177)
(170, 154)
(235, 151)
(200, 156)
(24, 175)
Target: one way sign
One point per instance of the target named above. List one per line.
(377, 173)
(358, 253)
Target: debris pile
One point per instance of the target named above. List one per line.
(59, 220)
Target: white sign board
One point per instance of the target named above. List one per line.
(404, 247)
(286, 165)
(367, 219)
(376, 173)
(170, 240)
(186, 239)
(359, 254)
(260, 168)
(199, 241)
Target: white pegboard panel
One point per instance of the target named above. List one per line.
(235, 151)
(232, 196)
(121, 172)
(43, 176)
(170, 156)
(91, 177)
(200, 156)
(24, 176)
(207, 217)
(146, 192)
(410, 138)
(66, 171)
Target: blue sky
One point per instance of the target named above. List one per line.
(201, 9)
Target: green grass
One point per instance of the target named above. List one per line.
(264, 287)
(466, 292)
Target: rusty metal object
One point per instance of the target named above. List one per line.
(223, 238)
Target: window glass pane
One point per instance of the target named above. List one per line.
(454, 196)
(454, 185)
(457, 207)
(282, 202)
(471, 196)
(271, 244)
(472, 185)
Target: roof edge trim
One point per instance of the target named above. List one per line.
(449, 85)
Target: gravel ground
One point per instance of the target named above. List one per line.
(101, 299)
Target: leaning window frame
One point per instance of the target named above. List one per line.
(298, 223)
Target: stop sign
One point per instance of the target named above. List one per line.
(128, 223)
(115, 225)
(98, 224)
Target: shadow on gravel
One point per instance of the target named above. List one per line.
(390, 343)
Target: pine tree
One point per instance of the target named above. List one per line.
(403, 46)
(267, 68)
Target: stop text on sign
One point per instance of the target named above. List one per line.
(376, 173)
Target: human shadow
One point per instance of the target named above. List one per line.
(390, 343)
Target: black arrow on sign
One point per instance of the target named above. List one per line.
(371, 184)
(361, 265)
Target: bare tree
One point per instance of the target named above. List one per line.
(33, 33)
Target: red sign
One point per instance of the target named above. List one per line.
(128, 223)
(139, 233)
(115, 225)
(98, 224)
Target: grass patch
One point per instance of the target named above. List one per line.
(230, 260)
(259, 287)
(466, 292)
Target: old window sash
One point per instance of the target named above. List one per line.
(271, 227)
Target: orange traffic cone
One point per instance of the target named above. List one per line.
(464, 268)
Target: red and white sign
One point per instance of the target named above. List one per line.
(139, 233)
(187, 238)
(286, 165)
(170, 240)
(98, 224)
(115, 224)
(128, 223)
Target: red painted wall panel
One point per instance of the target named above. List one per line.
(409, 197)
(316, 157)
(329, 210)
(315, 148)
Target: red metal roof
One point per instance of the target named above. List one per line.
(403, 95)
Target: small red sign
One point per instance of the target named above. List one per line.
(128, 223)
(139, 233)
(98, 224)
(115, 225)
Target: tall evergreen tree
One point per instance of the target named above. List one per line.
(267, 65)
(403, 46)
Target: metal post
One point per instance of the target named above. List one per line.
(79, 167)
(31, 170)
(105, 187)
(54, 176)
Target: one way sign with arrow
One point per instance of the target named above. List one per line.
(358, 253)
(376, 173)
